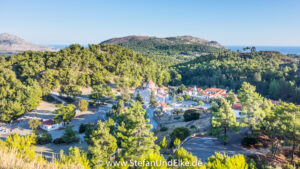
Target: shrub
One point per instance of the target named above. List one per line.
(44, 139)
(177, 117)
(248, 141)
(200, 103)
(186, 97)
(170, 157)
(83, 105)
(82, 128)
(180, 99)
(164, 128)
(48, 98)
(177, 111)
(191, 114)
(34, 124)
(193, 127)
(69, 135)
(58, 141)
(224, 161)
(88, 131)
(180, 133)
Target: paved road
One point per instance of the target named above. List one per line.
(204, 147)
(153, 122)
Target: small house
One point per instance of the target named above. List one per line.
(49, 125)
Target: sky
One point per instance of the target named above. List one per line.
(230, 22)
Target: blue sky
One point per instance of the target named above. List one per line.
(231, 22)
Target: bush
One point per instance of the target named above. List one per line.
(177, 117)
(58, 141)
(191, 114)
(48, 98)
(44, 139)
(193, 127)
(180, 133)
(83, 105)
(200, 103)
(82, 128)
(186, 97)
(180, 99)
(248, 141)
(164, 128)
(177, 111)
(88, 131)
(69, 135)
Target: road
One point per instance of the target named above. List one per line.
(204, 147)
(153, 122)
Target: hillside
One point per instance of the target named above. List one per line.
(26, 77)
(168, 50)
(10, 44)
(275, 75)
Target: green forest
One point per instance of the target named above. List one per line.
(26, 77)
(275, 75)
(168, 53)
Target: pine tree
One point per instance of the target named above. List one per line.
(139, 98)
(34, 124)
(289, 115)
(154, 157)
(75, 157)
(69, 135)
(220, 161)
(118, 107)
(230, 97)
(185, 156)
(223, 120)
(163, 144)
(103, 145)
(152, 99)
(251, 106)
(176, 142)
(272, 129)
(134, 134)
(174, 97)
(65, 113)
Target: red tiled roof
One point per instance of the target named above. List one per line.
(212, 89)
(164, 105)
(49, 122)
(150, 82)
(161, 95)
(237, 106)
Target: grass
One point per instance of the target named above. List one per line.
(9, 160)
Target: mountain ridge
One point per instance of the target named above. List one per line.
(13, 44)
(185, 39)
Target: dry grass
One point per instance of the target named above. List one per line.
(9, 160)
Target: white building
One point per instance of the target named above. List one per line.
(145, 91)
(49, 125)
(205, 95)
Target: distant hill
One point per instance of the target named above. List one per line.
(168, 50)
(10, 44)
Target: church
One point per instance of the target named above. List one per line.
(145, 91)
